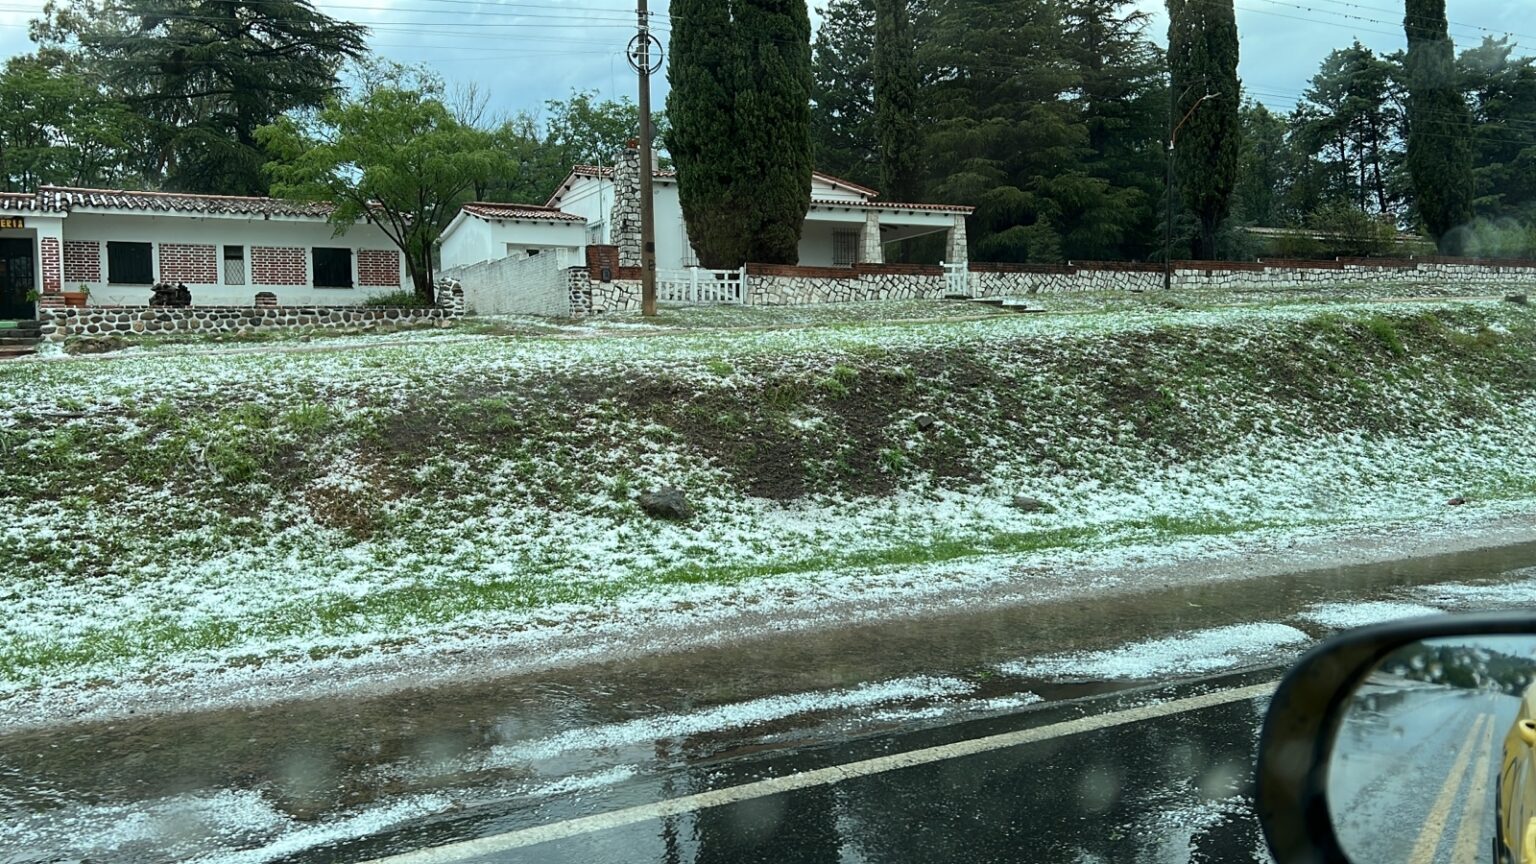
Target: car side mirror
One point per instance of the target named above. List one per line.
(1412, 741)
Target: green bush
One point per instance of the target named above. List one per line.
(397, 299)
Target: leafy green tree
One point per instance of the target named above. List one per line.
(843, 137)
(56, 126)
(740, 112)
(391, 153)
(204, 75)
(896, 85)
(1439, 125)
(1202, 57)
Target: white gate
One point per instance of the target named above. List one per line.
(957, 278)
(697, 286)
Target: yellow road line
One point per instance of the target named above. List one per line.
(1434, 824)
(1470, 840)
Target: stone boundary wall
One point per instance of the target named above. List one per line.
(779, 285)
(103, 321)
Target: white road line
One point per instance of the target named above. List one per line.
(470, 849)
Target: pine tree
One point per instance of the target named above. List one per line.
(1439, 125)
(204, 75)
(1202, 57)
(896, 83)
(705, 73)
(843, 139)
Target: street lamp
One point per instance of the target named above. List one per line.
(1173, 136)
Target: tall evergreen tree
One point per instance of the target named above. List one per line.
(773, 125)
(204, 75)
(1261, 176)
(1439, 125)
(1502, 89)
(741, 126)
(1202, 59)
(706, 71)
(896, 83)
(843, 139)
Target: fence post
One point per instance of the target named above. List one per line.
(693, 284)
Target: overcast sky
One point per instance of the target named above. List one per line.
(523, 52)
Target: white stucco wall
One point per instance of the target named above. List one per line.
(220, 231)
(468, 243)
(475, 239)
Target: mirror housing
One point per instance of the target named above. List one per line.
(1305, 714)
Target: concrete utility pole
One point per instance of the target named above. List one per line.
(1173, 136)
(646, 61)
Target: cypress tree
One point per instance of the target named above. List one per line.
(896, 83)
(773, 125)
(1439, 125)
(705, 73)
(1202, 59)
(740, 115)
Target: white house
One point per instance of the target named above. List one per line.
(117, 244)
(845, 224)
(489, 232)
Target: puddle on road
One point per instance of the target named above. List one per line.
(251, 775)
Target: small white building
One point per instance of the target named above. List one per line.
(845, 224)
(115, 245)
(490, 232)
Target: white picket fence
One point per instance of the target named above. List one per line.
(957, 278)
(697, 286)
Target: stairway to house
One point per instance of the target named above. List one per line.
(19, 338)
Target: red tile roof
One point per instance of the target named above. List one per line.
(18, 201)
(497, 210)
(68, 198)
(893, 205)
(846, 184)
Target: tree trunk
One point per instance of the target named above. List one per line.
(1208, 226)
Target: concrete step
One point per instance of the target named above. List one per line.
(7, 339)
(987, 301)
(10, 352)
(956, 297)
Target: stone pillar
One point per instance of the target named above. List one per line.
(873, 251)
(955, 249)
(625, 218)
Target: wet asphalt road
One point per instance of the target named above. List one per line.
(1172, 789)
(1414, 771)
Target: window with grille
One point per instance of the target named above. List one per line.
(333, 267)
(595, 234)
(234, 265)
(130, 264)
(845, 248)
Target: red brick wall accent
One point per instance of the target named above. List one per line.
(82, 261)
(279, 265)
(898, 269)
(807, 272)
(189, 263)
(53, 271)
(378, 268)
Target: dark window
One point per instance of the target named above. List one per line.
(234, 265)
(333, 268)
(845, 248)
(130, 264)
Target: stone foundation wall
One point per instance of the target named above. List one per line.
(103, 321)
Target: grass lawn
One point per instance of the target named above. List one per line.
(173, 511)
